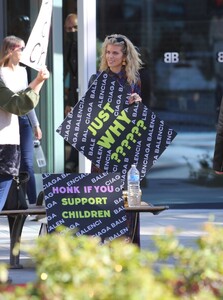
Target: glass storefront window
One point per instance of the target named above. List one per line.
(18, 18)
(182, 43)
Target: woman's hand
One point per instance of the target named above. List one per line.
(134, 98)
(68, 109)
(43, 74)
(37, 83)
(37, 132)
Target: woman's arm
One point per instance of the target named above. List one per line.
(35, 124)
(22, 102)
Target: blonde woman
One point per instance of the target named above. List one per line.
(121, 60)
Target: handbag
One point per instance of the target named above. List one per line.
(16, 198)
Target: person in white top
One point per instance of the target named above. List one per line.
(13, 105)
(15, 78)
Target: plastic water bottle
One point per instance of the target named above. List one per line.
(39, 155)
(134, 192)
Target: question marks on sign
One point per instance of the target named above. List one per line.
(114, 156)
(120, 150)
(141, 123)
(135, 130)
(130, 137)
(125, 143)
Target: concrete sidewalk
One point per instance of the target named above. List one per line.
(189, 223)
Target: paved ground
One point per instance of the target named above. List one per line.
(30, 233)
(188, 222)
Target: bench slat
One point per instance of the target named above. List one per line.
(40, 210)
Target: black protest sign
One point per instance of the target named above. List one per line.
(90, 204)
(112, 133)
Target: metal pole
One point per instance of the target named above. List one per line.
(86, 11)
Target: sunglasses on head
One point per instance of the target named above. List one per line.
(118, 39)
(19, 49)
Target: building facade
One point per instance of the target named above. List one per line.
(181, 43)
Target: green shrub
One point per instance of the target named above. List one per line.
(3, 274)
(80, 268)
(194, 271)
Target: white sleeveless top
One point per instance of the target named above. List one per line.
(16, 80)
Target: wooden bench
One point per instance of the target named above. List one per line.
(16, 220)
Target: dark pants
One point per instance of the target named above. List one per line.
(27, 151)
(132, 218)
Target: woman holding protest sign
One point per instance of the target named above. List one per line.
(121, 60)
(13, 104)
(15, 77)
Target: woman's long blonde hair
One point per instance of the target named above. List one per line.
(133, 62)
(9, 44)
